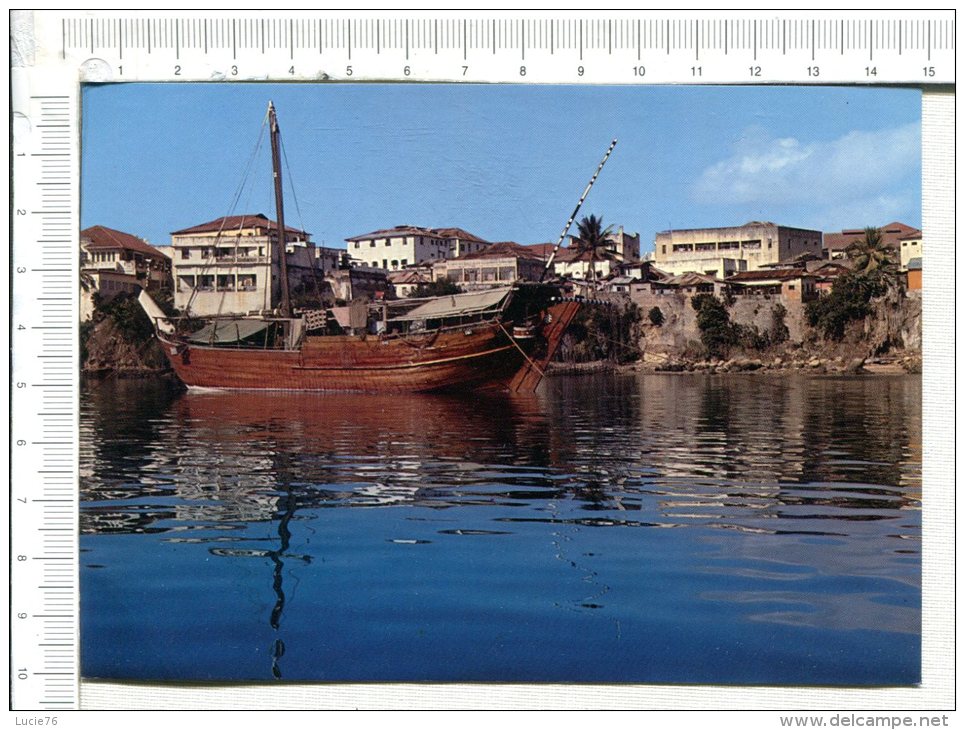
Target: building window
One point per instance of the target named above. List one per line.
(371, 244)
(405, 262)
(247, 282)
(185, 253)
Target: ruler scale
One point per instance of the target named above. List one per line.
(66, 48)
(43, 499)
(750, 49)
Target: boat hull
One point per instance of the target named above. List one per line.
(481, 355)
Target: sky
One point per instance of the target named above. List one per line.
(505, 162)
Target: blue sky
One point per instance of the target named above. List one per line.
(507, 162)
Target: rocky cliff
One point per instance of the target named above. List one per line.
(888, 338)
(120, 340)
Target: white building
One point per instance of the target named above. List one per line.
(227, 266)
(392, 249)
(909, 247)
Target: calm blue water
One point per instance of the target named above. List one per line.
(612, 528)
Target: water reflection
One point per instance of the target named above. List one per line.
(793, 500)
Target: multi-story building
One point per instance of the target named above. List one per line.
(625, 246)
(113, 262)
(725, 251)
(498, 264)
(229, 265)
(392, 249)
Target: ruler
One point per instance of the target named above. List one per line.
(54, 51)
(652, 48)
(43, 496)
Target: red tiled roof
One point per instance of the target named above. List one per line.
(504, 249)
(459, 233)
(102, 237)
(890, 234)
(543, 249)
(227, 224)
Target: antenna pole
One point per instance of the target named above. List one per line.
(566, 228)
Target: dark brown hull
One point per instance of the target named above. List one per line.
(347, 363)
(480, 355)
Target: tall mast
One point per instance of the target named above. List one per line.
(279, 210)
(556, 248)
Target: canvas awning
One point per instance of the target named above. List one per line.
(223, 331)
(456, 305)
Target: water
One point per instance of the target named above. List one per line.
(612, 528)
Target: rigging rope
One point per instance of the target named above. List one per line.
(231, 209)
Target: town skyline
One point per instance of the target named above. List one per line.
(503, 162)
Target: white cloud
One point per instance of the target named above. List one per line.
(858, 169)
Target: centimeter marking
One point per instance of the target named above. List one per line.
(43, 495)
(916, 48)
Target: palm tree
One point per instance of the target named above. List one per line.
(593, 239)
(871, 255)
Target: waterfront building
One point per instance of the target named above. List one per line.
(113, 262)
(725, 251)
(498, 264)
(794, 284)
(230, 265)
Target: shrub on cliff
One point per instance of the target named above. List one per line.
(127, 314)
(656, 317)
(603, 333)
(713, 320)
(849, 300)
(119, 337)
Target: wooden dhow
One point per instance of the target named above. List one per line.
(502, 337)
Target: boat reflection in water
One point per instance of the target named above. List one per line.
(629, 528)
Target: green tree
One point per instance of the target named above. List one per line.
(713, 320)
(656, 317)
(872, 256)
(849, 300)
(593, 239)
